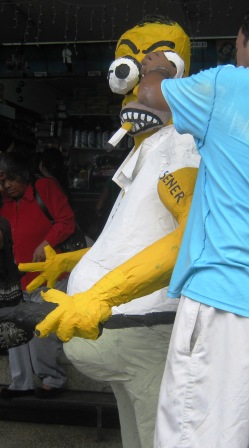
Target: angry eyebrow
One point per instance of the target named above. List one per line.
(161, 43)
(135, 50)
(130, 44)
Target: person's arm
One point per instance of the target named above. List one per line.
(155, 68)
(58, 206)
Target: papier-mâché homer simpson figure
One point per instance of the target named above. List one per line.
(115, 319)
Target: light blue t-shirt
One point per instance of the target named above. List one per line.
(213, 262)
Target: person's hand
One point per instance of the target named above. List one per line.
(155, 68)
(78, 315)
(157, 61)
(39, 254)
(53, 266)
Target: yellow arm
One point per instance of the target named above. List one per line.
(149, 270)
(52, 268)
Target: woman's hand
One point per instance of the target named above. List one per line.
(39, 253)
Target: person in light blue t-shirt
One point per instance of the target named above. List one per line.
(204, 399)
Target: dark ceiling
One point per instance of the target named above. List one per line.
(35, 23)
(43, 21)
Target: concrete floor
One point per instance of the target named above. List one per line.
(49, 428)
(39, 435)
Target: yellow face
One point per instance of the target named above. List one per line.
(124, 73)
(141, 40)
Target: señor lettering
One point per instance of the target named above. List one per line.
(172, 184)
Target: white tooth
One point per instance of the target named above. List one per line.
(130, 115)
(155, 121)
(149, 118)
(137, 127)
(142, 117)
(125, 116)
(136, 115)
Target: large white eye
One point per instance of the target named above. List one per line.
(123, 75)
(179, 63)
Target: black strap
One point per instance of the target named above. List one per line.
(51, 219)
(42, 205)
(117, 321)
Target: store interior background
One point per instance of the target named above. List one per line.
(45, 102)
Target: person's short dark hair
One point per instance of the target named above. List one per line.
(14, 165)
(245, 28)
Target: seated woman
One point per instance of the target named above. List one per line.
(32, 231)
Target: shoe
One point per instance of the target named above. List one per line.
(41, 392)
(12, 393)
(11, 336)
(17, 323)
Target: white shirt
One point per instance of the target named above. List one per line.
(138, 217)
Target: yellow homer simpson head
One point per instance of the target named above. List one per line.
(124, 73)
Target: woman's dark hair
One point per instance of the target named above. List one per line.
(245, 28)
(14, 165)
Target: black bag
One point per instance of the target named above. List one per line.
(75, 241)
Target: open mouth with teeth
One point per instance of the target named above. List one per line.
(142, 119)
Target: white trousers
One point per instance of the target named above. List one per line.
(204, 396)
(132, 360)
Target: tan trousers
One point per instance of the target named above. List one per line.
(132, 361)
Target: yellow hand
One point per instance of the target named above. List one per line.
(77, 315)
(52, 268)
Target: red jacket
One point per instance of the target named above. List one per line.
(29, 225)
